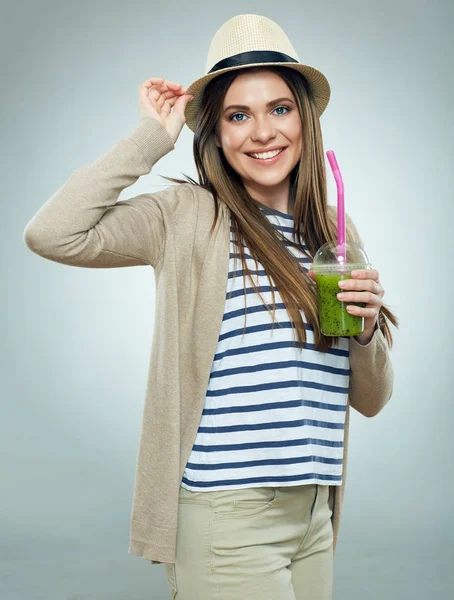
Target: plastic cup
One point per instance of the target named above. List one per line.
(329, 268)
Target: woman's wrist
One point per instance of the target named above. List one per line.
(365, 337)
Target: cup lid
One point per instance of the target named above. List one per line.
(330, 258)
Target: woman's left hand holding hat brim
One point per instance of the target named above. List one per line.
(165, 101)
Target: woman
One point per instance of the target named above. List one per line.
(242, 459)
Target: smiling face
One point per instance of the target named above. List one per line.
(259, 113)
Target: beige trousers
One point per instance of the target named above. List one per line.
(262, 543)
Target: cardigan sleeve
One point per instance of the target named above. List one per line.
(84, 225)
(371, 376)
(371, 371)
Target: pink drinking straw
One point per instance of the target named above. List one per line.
(341, 250)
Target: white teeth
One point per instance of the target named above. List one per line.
(267, 154)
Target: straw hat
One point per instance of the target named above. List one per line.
(246, 41)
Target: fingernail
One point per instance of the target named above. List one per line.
(342, 284)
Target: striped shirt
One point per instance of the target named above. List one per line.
(274, 414)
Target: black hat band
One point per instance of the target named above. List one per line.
(255, 56)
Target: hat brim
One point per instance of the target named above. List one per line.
(318, 83)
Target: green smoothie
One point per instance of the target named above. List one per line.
(335, 320)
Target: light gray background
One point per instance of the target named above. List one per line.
(76, 342)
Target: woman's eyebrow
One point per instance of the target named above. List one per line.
(268, 104)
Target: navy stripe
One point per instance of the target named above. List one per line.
(267, 444)
(273, 406)
(266, 461)
(269, 480)
(291, 244)
(272, 425)
(281, 228)
(237, 255)
(278, 385)
(289, 230)
(255, 309)
(274, 345)
(286, 242)
(278, 227)
(260, 272)
(280, 365)
(274, 211)
(232, 314)
(249, 290)
(256, 328)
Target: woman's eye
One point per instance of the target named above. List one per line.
(235, 115)
(232, 117)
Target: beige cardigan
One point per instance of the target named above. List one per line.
(84, 225)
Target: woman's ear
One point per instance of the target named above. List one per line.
(216, 135)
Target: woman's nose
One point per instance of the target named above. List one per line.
(263, 130)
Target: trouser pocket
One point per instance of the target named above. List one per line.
(243, 503)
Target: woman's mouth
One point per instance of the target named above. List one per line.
(271, 159)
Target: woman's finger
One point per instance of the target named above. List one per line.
(164, 85)
(156, 95)
(359, 311)
(160, 101)
(365, 274)
(154, 80)
(171, 94)
(367, 297)
(151, 82)
(361, 284)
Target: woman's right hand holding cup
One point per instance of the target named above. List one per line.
(165, 101)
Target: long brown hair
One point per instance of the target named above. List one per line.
(314, 221)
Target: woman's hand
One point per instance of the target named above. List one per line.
(165, 101)
(364, 286)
